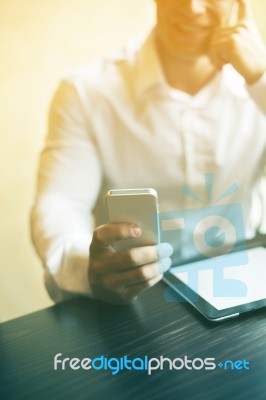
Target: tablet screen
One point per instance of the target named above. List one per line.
(229, 286)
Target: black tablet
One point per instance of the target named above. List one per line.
(221, 287)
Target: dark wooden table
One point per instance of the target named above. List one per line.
(87, 328)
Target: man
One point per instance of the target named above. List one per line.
(189, 101)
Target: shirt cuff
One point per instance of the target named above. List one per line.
(68, 263)
(258, 92)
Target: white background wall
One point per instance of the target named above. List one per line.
(39, 41)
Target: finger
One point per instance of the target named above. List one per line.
(226, 34)
(121, 261)
(136, 275)
(108, 233)
(244, 10)
(220, 38)
(131, 258)
(130, 292)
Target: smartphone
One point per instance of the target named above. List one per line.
(135, 206)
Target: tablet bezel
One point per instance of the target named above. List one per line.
(205, 308)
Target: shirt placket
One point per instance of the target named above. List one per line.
(198, 154)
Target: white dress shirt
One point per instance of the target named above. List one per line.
(117, 124)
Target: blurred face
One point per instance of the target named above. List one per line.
(184, 27)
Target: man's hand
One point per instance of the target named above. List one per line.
(240, 45)
(119, 277)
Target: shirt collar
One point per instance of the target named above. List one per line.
(149, 74)
(233, 81)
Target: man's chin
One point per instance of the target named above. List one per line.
(191, 54)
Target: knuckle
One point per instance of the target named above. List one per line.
(235, 41)
(124, 231)
(143, 274)
(131, 257)
(151, 282)
(97, 234)
(147, 284)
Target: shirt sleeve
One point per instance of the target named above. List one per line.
(69, 180)
(258, 92)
